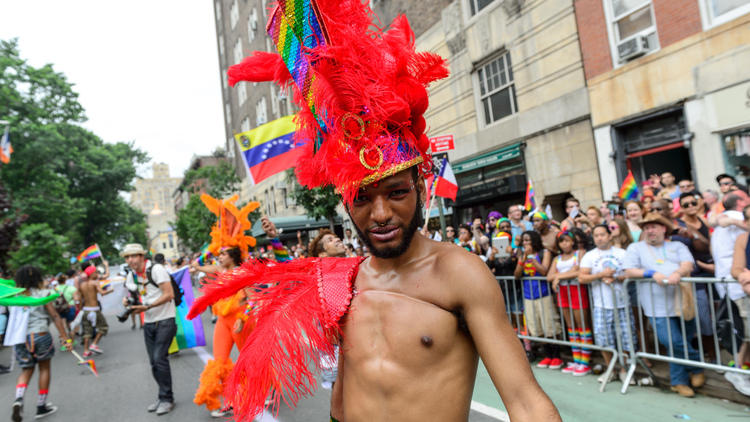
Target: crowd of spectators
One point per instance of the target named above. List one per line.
(671, 232)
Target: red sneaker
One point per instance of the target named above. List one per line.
(570, 368)
(544, 363)
(87, 354)
(556, 363)
(581, 370)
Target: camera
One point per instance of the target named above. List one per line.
(125, 314)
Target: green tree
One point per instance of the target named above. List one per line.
(42, 247)
(319, 203)
(62, 175)
(194, 221)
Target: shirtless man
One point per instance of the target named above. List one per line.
(422, 315)
(92, 314)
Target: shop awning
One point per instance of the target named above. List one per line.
(500, 155)
(292, 224)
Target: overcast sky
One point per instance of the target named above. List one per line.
(146, 71)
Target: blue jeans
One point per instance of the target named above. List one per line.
(158, 336)
(678, 374)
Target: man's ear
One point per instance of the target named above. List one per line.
(422, 189)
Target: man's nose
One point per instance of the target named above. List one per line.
(381, 211)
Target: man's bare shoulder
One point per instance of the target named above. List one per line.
(463, 268)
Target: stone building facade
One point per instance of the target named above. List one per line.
(154, 197)
(669, 87)
(516, 103)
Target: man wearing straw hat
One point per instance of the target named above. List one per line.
(666, 262)
(152, 282)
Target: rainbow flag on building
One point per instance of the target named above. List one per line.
(269, 149)
(629, 189)
(189, 332)
(90, 253)
(530, 203)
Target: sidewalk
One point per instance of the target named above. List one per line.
(579, 399)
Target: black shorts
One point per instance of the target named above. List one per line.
(39, 347)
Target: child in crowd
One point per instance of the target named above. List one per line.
(38, 347)
(603, 268)
(538, 306)
(573, 299)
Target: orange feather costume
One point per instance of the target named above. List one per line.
(228, 232)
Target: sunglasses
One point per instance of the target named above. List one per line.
(614, 227)
(725, 183)
(690, 204)
(657, 208)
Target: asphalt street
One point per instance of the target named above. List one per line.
(125, 387)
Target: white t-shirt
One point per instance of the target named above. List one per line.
(722, 249)
(597, 260)
(150, 293)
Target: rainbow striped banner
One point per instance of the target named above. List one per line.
(90, 253)
(189, 332)
(279, 251)
(629, 189)
(295, 28)
(530, 203)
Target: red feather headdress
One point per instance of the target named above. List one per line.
(362, 90)
(231, 224)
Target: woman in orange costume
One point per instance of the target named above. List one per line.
(233, 324)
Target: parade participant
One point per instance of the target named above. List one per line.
(573, 299)
(89, 290)
(38, 346)
(153, 283)
(231, 245)
(403, 315)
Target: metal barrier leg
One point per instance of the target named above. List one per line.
(608, 372)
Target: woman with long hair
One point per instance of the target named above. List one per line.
(620, 233)
(38, 347)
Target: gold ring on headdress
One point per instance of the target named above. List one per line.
(359, 121)
(364, 162)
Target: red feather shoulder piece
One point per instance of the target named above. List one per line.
(298, 306)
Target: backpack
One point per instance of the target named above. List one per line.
(178, 293)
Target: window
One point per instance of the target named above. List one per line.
(217, 8)
(234, 14)
(496, 89)
(631, 19)
(274, 103)
(245, 125)
(260, 112)
(241, 93)
(228, 113)
(171, 240)
(283, 195)
(252, 25)
(237, 51)
(224, 81)
(721, 11)
(477, 5)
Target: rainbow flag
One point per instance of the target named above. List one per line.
(205, 257)
(530, 203)
(629, 189)
(279, 251)
(189, 332)
(90, 253)
(269, 149)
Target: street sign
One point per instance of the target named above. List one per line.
(441, 143)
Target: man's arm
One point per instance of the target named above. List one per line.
(481, 300)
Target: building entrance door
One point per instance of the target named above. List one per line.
(674, 158)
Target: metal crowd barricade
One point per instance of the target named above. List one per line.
(705, 316)
(513, 290)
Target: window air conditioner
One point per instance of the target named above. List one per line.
(632, 48)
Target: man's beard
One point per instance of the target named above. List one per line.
(415, 223)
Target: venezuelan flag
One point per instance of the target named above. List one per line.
(90, 253)
(530, 203)
(189, 332)
(629, 189)
(269, 148)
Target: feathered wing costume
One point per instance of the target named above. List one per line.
(228, 232)
(362, 93)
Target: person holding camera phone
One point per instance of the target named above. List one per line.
(153, 283)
